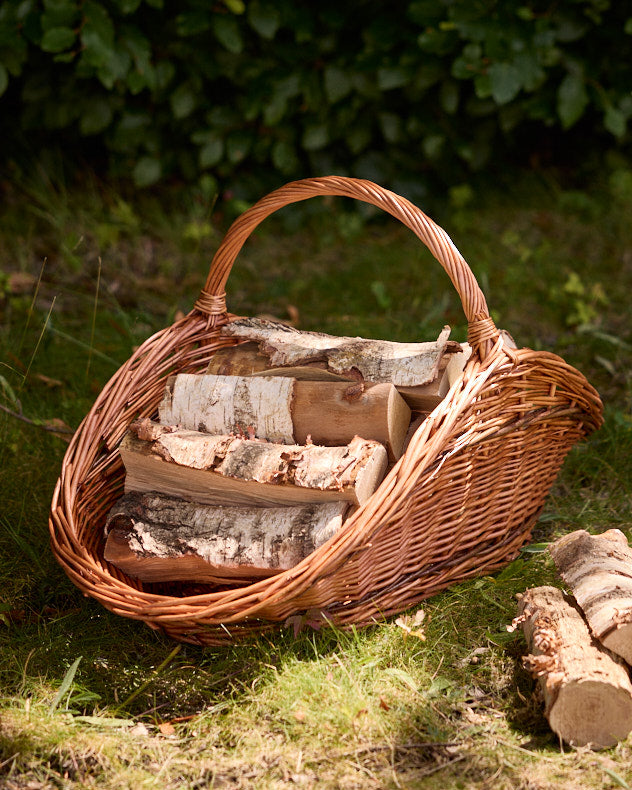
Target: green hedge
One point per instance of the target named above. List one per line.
(267, 90)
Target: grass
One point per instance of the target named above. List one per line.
(88, 699)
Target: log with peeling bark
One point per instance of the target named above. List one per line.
(220, 469)
(598, 570)
(402, 364)
(287, 411)
(587, 690)
(156, 538)
(422, 372)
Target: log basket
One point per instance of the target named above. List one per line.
(460, 502)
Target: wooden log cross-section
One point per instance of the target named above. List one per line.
(587, 690)
(422, 372)
(287, 411)
(157, 538)
(219, 469)
(598, 570)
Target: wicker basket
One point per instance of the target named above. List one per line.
(460, 502)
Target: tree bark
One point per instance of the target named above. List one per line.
(157, 538)
(587, 690)
(287, 411)
(220, 469)
(598, 570)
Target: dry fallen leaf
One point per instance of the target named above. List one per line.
(21, 283)
(52, 383)
(412, 625)
(58, 427)
(167, 728)
(384, 704)
(299, 715)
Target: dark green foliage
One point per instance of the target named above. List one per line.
(266, 90)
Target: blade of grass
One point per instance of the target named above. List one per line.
(94, 320)
(29, 314)
(150, 680)
(37, 345)
(70, 339)
(65, 684)
(23, 545)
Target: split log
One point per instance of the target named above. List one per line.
(230, 469)
(587, 690)
(598, 570)
(377, 361)
(287, 411)
(157, 538)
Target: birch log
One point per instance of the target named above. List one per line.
(598, 570)
(587, 690)
(157, 538)
(287, 411)
(230, 469)
(402, 364)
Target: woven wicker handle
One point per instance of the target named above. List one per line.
(481, 329)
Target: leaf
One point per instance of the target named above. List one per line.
(391, 126)
(167, 729)
(65, 684)
(58, 427)
(104, 721)
(619, 780)
(47, 380)
(449, 96)
(284, 156)
(412, 625)
(505, 82)
(227, 32)
(128, 6)
(337, 83)
(438, 685)
(315, 137)
(614, 121)
(403, 677)
(211, 152)
(58, 39)
(432, 145)
(4, 79)
(535, 548)
(390, 77)
(264, 19)
(190, 23)
(571, 100)
(238, 146)
(182, 101)
(147, 171)
(96, 117)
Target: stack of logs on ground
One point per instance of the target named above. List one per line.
(256, 463)
(581, 645)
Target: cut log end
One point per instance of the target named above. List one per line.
(592, 712)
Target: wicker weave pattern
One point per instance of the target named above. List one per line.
(460, 502)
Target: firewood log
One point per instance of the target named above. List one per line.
(231, 469)
(402, 364)
(157, 538)
(287, 411)
(598, 570)
(587, 690)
